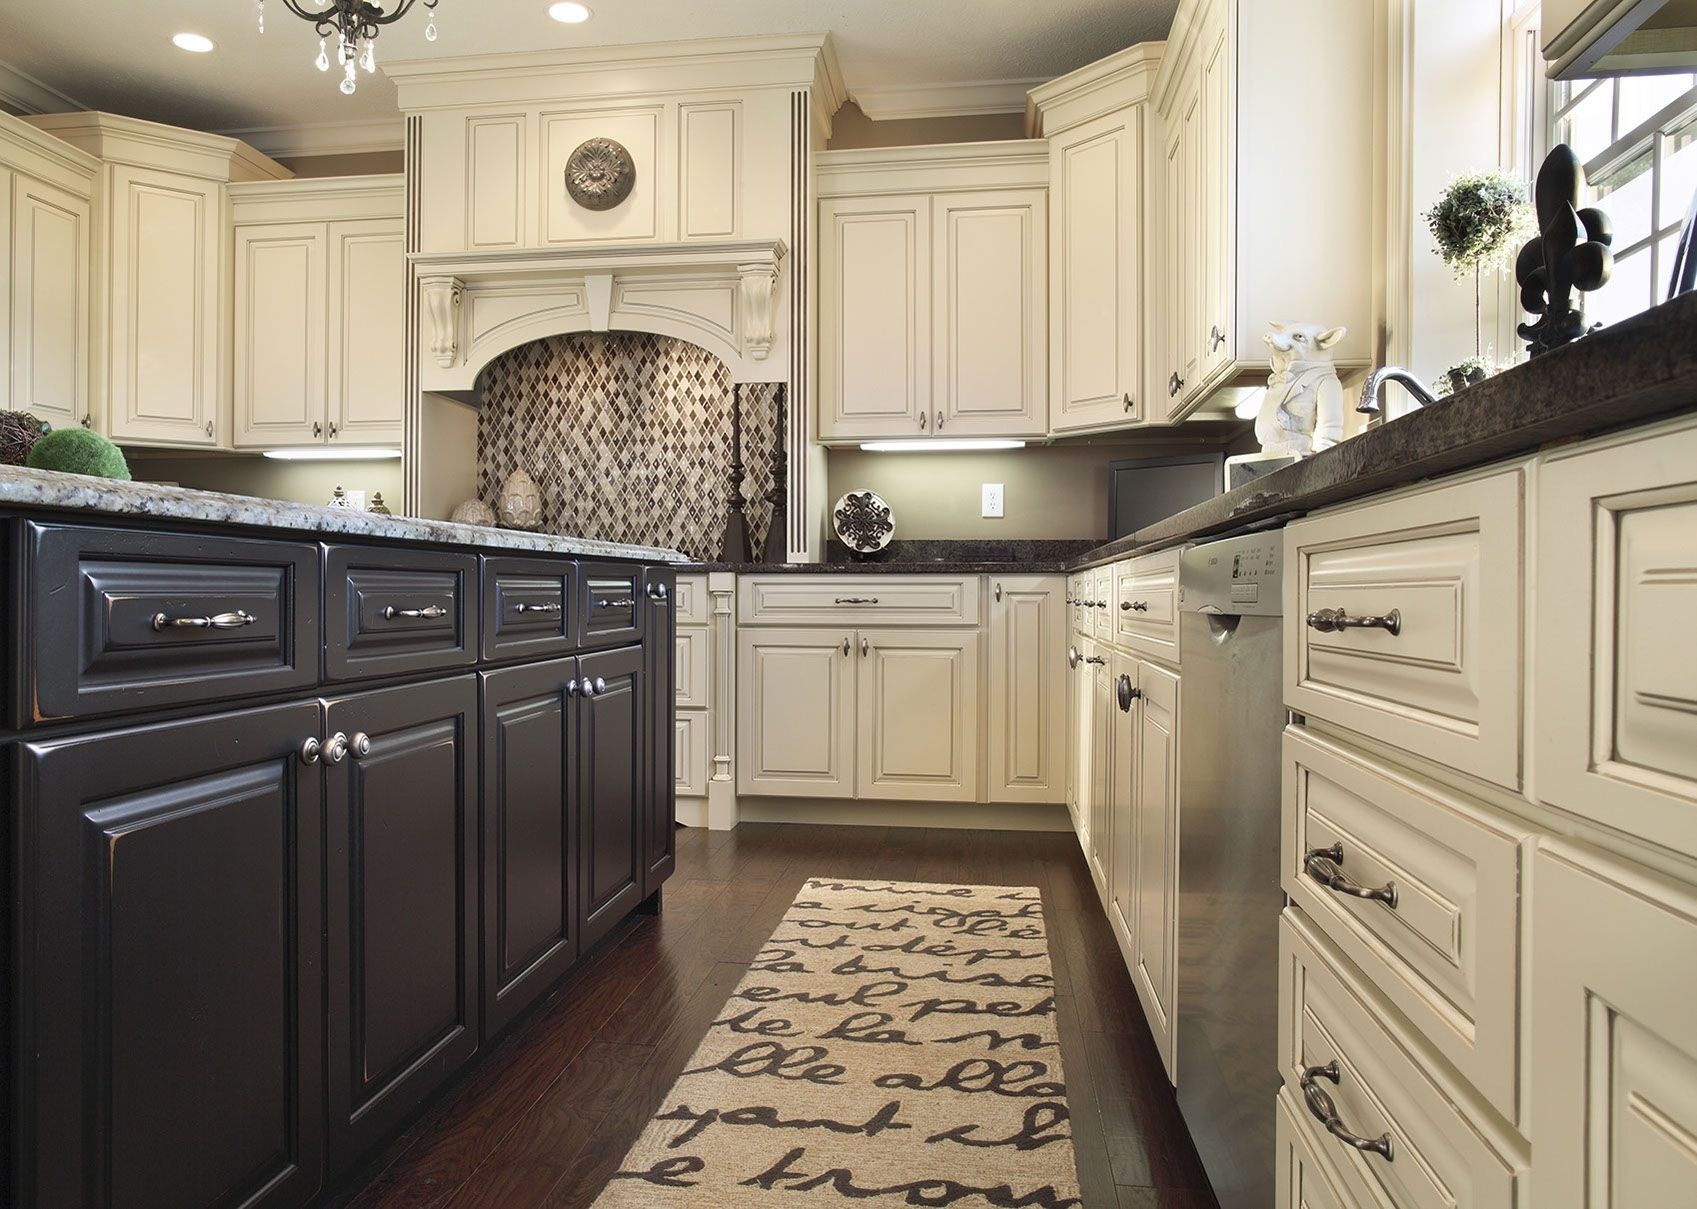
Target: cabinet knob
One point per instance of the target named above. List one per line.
(336, 750)
(998, 593)
(1127, 692)
(317, 429)
(209, 428)
(334, 431)
(1215, 338)
(845, 646)
(600, 686)
(923, 417)
(571, 688)
(311, 750)
(865, 648)
(1072, 657)
(1129, 402)
(360, 745)
(939, 421)
(1174, 385)
(88, 421)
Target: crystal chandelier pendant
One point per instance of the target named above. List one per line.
(322, 62)
(368, 56)
(430, 29)
(261, 16)
(349, 80)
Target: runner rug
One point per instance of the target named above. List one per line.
(893, 1044)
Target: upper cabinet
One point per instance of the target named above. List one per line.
(1262, 110)
(1096, 123)
(46, 239)
(933, 280)
(162, 276)
(320, 302)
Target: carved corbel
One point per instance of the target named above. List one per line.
(442, 298)
(758, 293)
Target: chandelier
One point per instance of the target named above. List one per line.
(354, 24)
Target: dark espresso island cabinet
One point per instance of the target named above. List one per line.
(294, 828)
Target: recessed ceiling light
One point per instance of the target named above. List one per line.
(569, 12)
(198, 43)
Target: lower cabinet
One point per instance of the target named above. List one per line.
(1099, 770)
(659, 669)
(401, 817)
(169, 1046)
(610, 781)
(1155, 936)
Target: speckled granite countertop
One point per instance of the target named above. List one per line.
(1015, 556)
(1639, 370)
(75, 493)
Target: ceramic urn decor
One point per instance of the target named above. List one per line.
(519, 504)
(473, 512)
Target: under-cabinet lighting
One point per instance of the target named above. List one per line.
(941, 444)
(333, 455)
(196, 43)
(569, 12)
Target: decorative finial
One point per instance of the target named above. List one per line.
(1571, 253)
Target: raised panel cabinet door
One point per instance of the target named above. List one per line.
(171, 1003)
(366, 331)
(990, 313)
(1082, 691)
(529, 838)
(164, 298)
(611, 730)
(51, 236)
(401, 903)
(874, 317)
(917, 705)
(1615, 655)
(1101, 764)
(1028, 690)
(1613, 1055)
(7, 179)
(1121, 813)
(1156, 879)
(1216, 172)
(795, 712)
(659, 800)
(279, 357)
(1183, 302)
(1096, 317)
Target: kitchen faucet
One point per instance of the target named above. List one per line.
(1369, 405)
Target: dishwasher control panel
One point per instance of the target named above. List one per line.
(1234, 575)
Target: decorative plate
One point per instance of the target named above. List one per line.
(863, 522)
(600, 174)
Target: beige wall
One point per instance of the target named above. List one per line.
(374, 163)
(297, 482)
(851, 128)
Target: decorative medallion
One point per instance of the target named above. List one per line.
(600, 174)
(863, 522)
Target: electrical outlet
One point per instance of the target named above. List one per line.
(992, 500)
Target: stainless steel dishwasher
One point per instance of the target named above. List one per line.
(1230, 717)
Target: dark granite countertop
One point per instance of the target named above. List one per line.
(928, 557)
(1639, 370)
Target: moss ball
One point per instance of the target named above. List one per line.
(79, 451)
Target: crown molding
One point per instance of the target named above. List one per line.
(328, 138)
(968, 99)
(1121, 79)
(23, 93)
(933, 168)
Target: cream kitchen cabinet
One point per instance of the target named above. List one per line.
(1154, 818)
(796, 718)
(163, 276)
(320, 301)
(1096, 123)
(46, 233)
(1237, 182)
(933, 295)
(1027, 689)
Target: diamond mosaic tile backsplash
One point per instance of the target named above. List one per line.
(629, 436)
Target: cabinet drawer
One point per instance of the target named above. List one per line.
(122, 620)
(390, 612)
(1440, 569)
(690, 759)
(859, 600)
(691, 605)
(1447, 953)
(1382, 1087)
(610, 604)
(1081, 606)
(690, 667)
(1145, 605)
(1102, 603)
(1304, 1179)
(529, 607)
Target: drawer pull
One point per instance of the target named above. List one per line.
(1322, 865)
(857, 600)
(218, 621)
(1325, 1111)
(623, 602)
(1141, 606)
(526, 607)
(1094, 659)
(428, 612)
(1330, 621)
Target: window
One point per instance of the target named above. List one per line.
(1637, 137)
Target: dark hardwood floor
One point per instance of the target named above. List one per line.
(548, 1115)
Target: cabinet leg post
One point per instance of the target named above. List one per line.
(651, 904)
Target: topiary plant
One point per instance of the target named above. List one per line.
(1478, 223)
(79, 451)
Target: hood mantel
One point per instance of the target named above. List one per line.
(721, 295)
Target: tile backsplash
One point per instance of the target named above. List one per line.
(629, 436)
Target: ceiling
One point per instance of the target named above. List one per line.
(117, 54)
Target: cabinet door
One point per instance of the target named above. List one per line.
(991, 326)
(164, 299)
(1083, 694)
(529, 836)
(171, 1004)
(1096, 318)
(1121, 813)
(1156, 879)
(1215, 129)
(610, 785)
(795, 712)
(874, 317)
(1183, 302)
(49, 301)
(1613, 1056)
(1101, 765)
(279, 358)
(659, 655)
(6, 180)
(917, 738)
(367, 336)
(401, 903)
(1027, 689)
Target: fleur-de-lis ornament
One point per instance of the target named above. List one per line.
(1570, 253)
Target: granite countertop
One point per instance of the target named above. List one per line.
(1015, 556)
(1639, 370)
(24, 488)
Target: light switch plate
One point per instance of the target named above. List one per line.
(992, 500)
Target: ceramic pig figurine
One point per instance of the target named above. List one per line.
(1303, 410)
